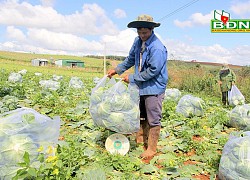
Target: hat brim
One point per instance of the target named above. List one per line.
(143, 24)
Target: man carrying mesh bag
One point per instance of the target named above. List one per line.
(149, 57)
(226, 79)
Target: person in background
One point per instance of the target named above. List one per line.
(226, 78)
(148, 55)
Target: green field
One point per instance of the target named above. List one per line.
(18, 61)
(189, 147)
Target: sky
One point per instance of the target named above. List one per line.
(85, 27)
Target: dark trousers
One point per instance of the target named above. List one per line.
(151, 108)
(224, 98)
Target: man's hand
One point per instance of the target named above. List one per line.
(111, 73)
(125, 78)
(219, 82)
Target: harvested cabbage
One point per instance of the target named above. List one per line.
(14, 147)
(50, 84)
(172, 94)
(115, 106)
(8, 172)
(97, 96)
(240, 117)
(235, 161)
(22, 72)
(96, 80)
(76, 83)
(57, 78)
(190, 106)
(235, 97)
(121, 102)
(25, 130)
(15, 77)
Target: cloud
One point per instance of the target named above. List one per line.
(48, 41)
(213, 53)
(92, 20)
(121, 43)
(16, 34)
(41, 29)
(119, 13)
(61, 41)
(45, 41)
(241, 8)
(183, 24)
(49, 3)
(196, 19)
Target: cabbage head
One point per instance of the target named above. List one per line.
(7, 129)
(28, 118)
(235, 162)
(114, 105)
(76, 83)
(172, 94)
(116, 118)
(243, 167)
(103, 109)
(13, 148)
(134, 92)
(96, 96)
(134, 113)
(237, 100)
(22, 72)
(8, 172)
(240, 117)
(122, 102)
(50, 84)
(190, 106)
(15, 77)
(114, 121)
(119, 122)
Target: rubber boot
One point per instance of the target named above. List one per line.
(142, 134)
(154, 133)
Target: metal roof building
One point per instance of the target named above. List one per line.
(39, 62)
(69, 63)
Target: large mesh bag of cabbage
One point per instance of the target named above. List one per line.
(235, 158)
(50, 84)
(240, 117)
(115, 105)
(190, 106)
(235, 97)
(15, 77)
(172, 94)
(25, 130)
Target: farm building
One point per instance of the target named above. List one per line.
(69, 63)
(39, 62)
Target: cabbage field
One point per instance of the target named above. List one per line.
(191, 142)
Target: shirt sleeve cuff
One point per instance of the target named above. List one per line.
(118, 71)
(131, 78)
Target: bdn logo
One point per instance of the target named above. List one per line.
(223, 23)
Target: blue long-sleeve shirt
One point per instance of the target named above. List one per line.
(153, 77)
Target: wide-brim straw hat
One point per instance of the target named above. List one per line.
(143, 21)
(225, 66)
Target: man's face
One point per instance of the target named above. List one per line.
(144, 33)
